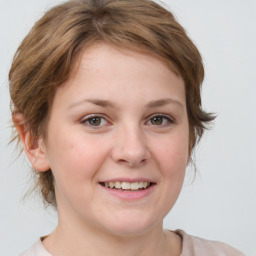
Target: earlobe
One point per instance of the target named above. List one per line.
(189, 155)
(33, 147)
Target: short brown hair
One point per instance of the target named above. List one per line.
(46, 58)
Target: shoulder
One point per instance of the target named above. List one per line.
(37, 249)
(195, 246)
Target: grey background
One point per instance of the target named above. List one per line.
(221, 203)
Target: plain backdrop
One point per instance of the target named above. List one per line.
(221, 203)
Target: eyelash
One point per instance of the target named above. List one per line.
(168, 120)
(87, 119)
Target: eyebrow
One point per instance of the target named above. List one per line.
(162, 102)
(109, 104)
(98, 102)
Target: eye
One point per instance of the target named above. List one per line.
(94, 121)
(160, 120)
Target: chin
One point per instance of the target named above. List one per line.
(132, 225)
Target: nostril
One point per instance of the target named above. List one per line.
(132, 153)
(122, 161)
(136, 163)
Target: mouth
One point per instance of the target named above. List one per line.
(127, 186)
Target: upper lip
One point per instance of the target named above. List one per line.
(128, 180)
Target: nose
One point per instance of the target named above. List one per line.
(130, 148)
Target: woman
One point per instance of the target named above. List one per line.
(106, 102)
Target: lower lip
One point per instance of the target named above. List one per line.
(129, 194)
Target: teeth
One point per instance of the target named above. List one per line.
(127, 185)
(145, 184)
(117, 184)
(111, 184)
(134, 185)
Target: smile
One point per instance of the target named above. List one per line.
(132, 186)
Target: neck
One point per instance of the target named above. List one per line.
(69, 239)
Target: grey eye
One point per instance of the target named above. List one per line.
(157, 120)
(95, 121)
(160, 120)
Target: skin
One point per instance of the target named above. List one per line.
(124, 90)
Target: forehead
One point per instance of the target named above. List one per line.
(108, 71)
(103, 53)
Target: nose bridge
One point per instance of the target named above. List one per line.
(130, 146)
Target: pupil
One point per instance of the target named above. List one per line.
(95, 121)
(157, 120)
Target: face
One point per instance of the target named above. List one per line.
(117, 141)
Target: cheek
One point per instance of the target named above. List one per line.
(75, 157)
(75, 162)
(172, 155)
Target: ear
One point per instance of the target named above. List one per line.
(189, 155)
(33, 147)
(188, 159)
(191, 144)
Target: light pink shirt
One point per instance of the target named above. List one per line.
(191, 246)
